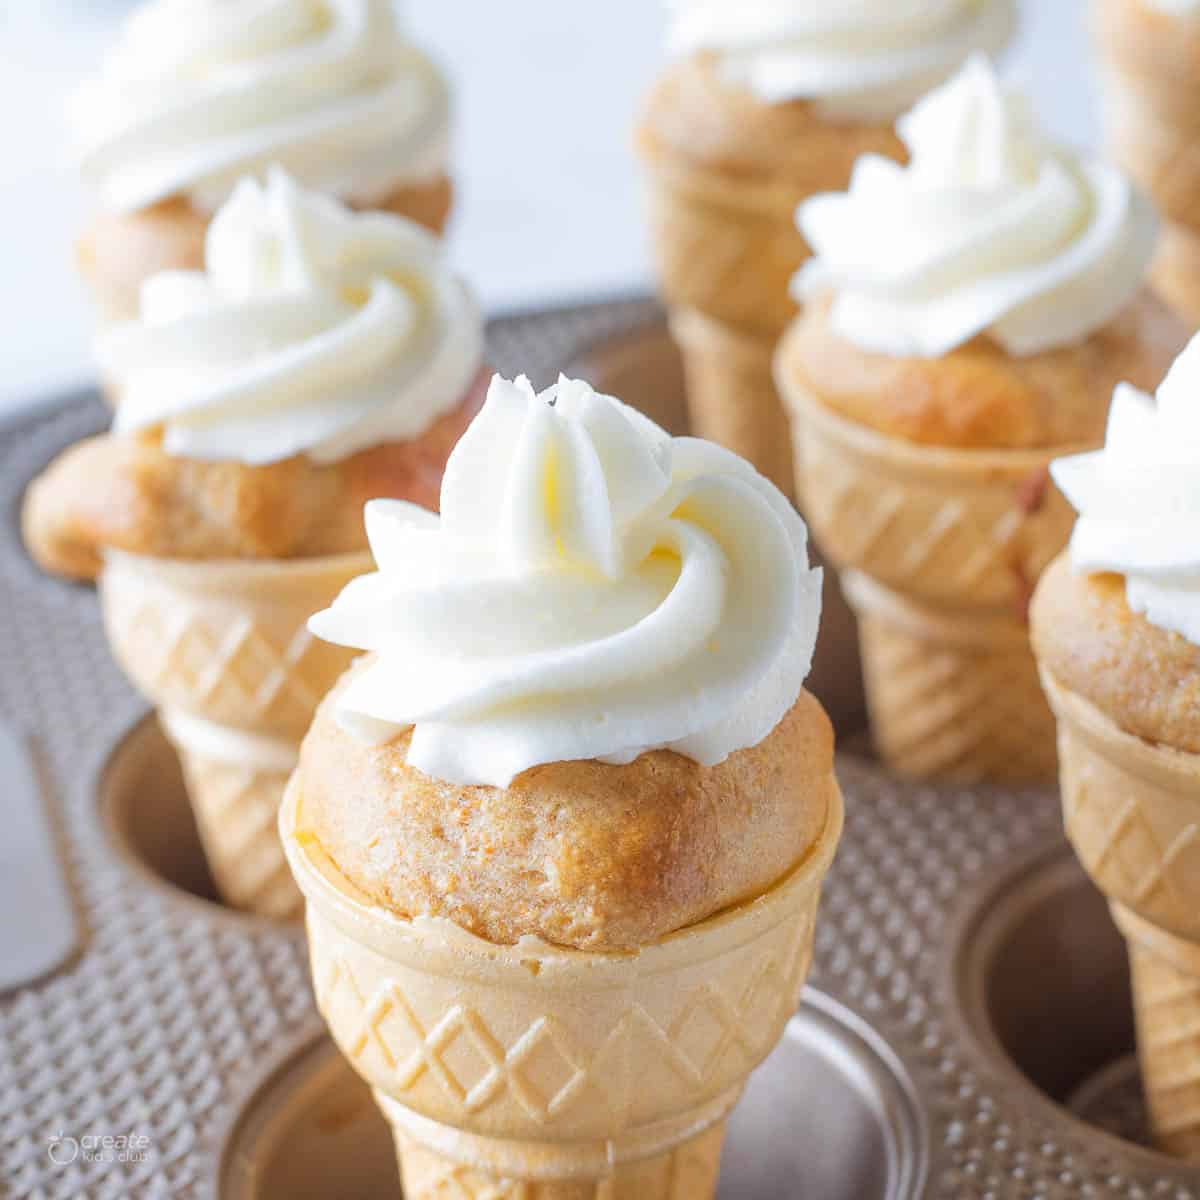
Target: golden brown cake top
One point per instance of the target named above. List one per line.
(126, 493)
(978, 396)
(1145, 679)
(693, 118)
(581, 854)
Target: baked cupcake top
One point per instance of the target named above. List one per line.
(990, 229)
(862, 59)
(198, 93)
(312, 330)
(593, 590)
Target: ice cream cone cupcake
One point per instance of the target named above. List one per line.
(1149, 58)
(764, 106)
(967, 318)
(195, 96)
(321, 358)
(562, 832)
(1116, 628)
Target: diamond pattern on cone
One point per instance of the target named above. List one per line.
(960, 527)
(548, 1073)
(222, 666)
(954, 709)
(727, 256)
(226, 645)
(706, 1037)
(237, 813)
(731, 396)
(1132, 812)
(687, 1173)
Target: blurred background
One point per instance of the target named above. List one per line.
(549, 205)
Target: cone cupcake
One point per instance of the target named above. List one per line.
(1132, 812)
(193, 98)
(222, 650)
(1116, 627)
(557, 922)
(1149, 59)
(225, 508)
(734, 135)
(925, 422)
(507, 1066)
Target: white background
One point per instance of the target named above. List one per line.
(549, 201)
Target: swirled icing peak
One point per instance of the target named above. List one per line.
(990, 227)
(593, 589)
(198, 93)
(312, 329)
(869, 59)
(1138, 499)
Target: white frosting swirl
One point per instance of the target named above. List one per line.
(593, 589)
(989, 228)
(312, 329)
(1139, 498)
(198, 93)
(868, 59)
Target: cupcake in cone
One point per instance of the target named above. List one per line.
(562, 831)
(1116, 629)
(966, 318)
(764, 106)
(196, 95)
(1149, 57)
(321, 358)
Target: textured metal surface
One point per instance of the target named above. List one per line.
(167, 1019)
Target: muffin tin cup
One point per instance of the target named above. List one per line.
(968, 1030)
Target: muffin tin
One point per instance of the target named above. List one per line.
(967, 1033)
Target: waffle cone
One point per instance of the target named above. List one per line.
(223, 651)
(532, 1071)
(1132, 812)
(731, 394)
(939, 551)
(725, 245)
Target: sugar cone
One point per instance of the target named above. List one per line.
(939, 551)
(532, 1071)
(731, 394)
(1132, 812)
(222, 650)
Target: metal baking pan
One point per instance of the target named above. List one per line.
(967, 1035)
